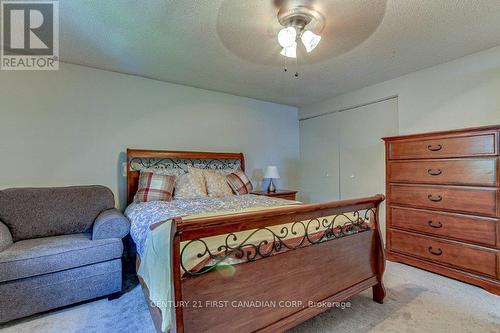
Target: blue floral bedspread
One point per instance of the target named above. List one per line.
(142, 215)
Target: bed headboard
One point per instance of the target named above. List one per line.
(140, 159)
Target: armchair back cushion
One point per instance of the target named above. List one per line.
(44, 212)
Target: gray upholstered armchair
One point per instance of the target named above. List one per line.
(58, 246)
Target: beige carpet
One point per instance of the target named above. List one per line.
(417, 301)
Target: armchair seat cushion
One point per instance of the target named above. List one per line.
(38, 256)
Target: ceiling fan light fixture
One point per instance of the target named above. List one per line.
(290, 51)
(310, 40)
(287, 37)
(299, 18)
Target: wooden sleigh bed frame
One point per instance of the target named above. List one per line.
(290, 286)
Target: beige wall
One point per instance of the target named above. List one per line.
(73, 126)
(461, 93)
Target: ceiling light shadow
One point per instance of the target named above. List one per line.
(249, 28)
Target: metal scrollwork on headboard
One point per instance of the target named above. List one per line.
(181, 164)
(289, 237)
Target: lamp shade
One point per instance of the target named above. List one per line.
(272, 172)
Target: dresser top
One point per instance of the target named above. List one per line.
(446, 132)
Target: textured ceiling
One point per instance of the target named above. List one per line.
(230, 45)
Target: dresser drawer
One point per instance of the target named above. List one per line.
(460, 227)
(480, 201)
(463, 256)
(476, 171)
(462, 146)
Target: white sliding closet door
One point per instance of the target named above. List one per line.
(362, 152)
(319, 159)
(342, 153)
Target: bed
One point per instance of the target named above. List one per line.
(248, 263)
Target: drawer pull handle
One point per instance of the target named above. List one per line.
(438, 252)
(435, 225)
(435, 172)
(435, 199)
(436, 148)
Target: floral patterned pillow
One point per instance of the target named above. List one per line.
(217, 185)
(191, 185)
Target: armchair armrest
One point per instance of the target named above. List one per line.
(110, 223)
(5, 237)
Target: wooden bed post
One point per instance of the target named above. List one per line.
(378, 255)
(177, 313)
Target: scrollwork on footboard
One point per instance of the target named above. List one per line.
(264, 242)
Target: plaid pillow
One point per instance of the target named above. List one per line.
(239, 182)
(154, 187)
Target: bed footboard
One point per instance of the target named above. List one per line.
(281, 282)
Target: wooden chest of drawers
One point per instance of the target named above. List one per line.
(443, 203)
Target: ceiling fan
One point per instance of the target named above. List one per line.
(302, 24)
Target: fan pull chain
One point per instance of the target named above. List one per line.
(296, 65)
(296, 75)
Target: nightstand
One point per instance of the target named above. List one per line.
(282, 194)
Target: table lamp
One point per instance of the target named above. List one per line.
(271, 173)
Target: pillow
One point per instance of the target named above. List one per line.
(154, 187)
(239, 182)
(216, 182)
(191, 185)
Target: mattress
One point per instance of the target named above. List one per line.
(143, 215)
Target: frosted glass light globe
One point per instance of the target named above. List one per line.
(310, 40)
(287, 36)
(290, 51)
